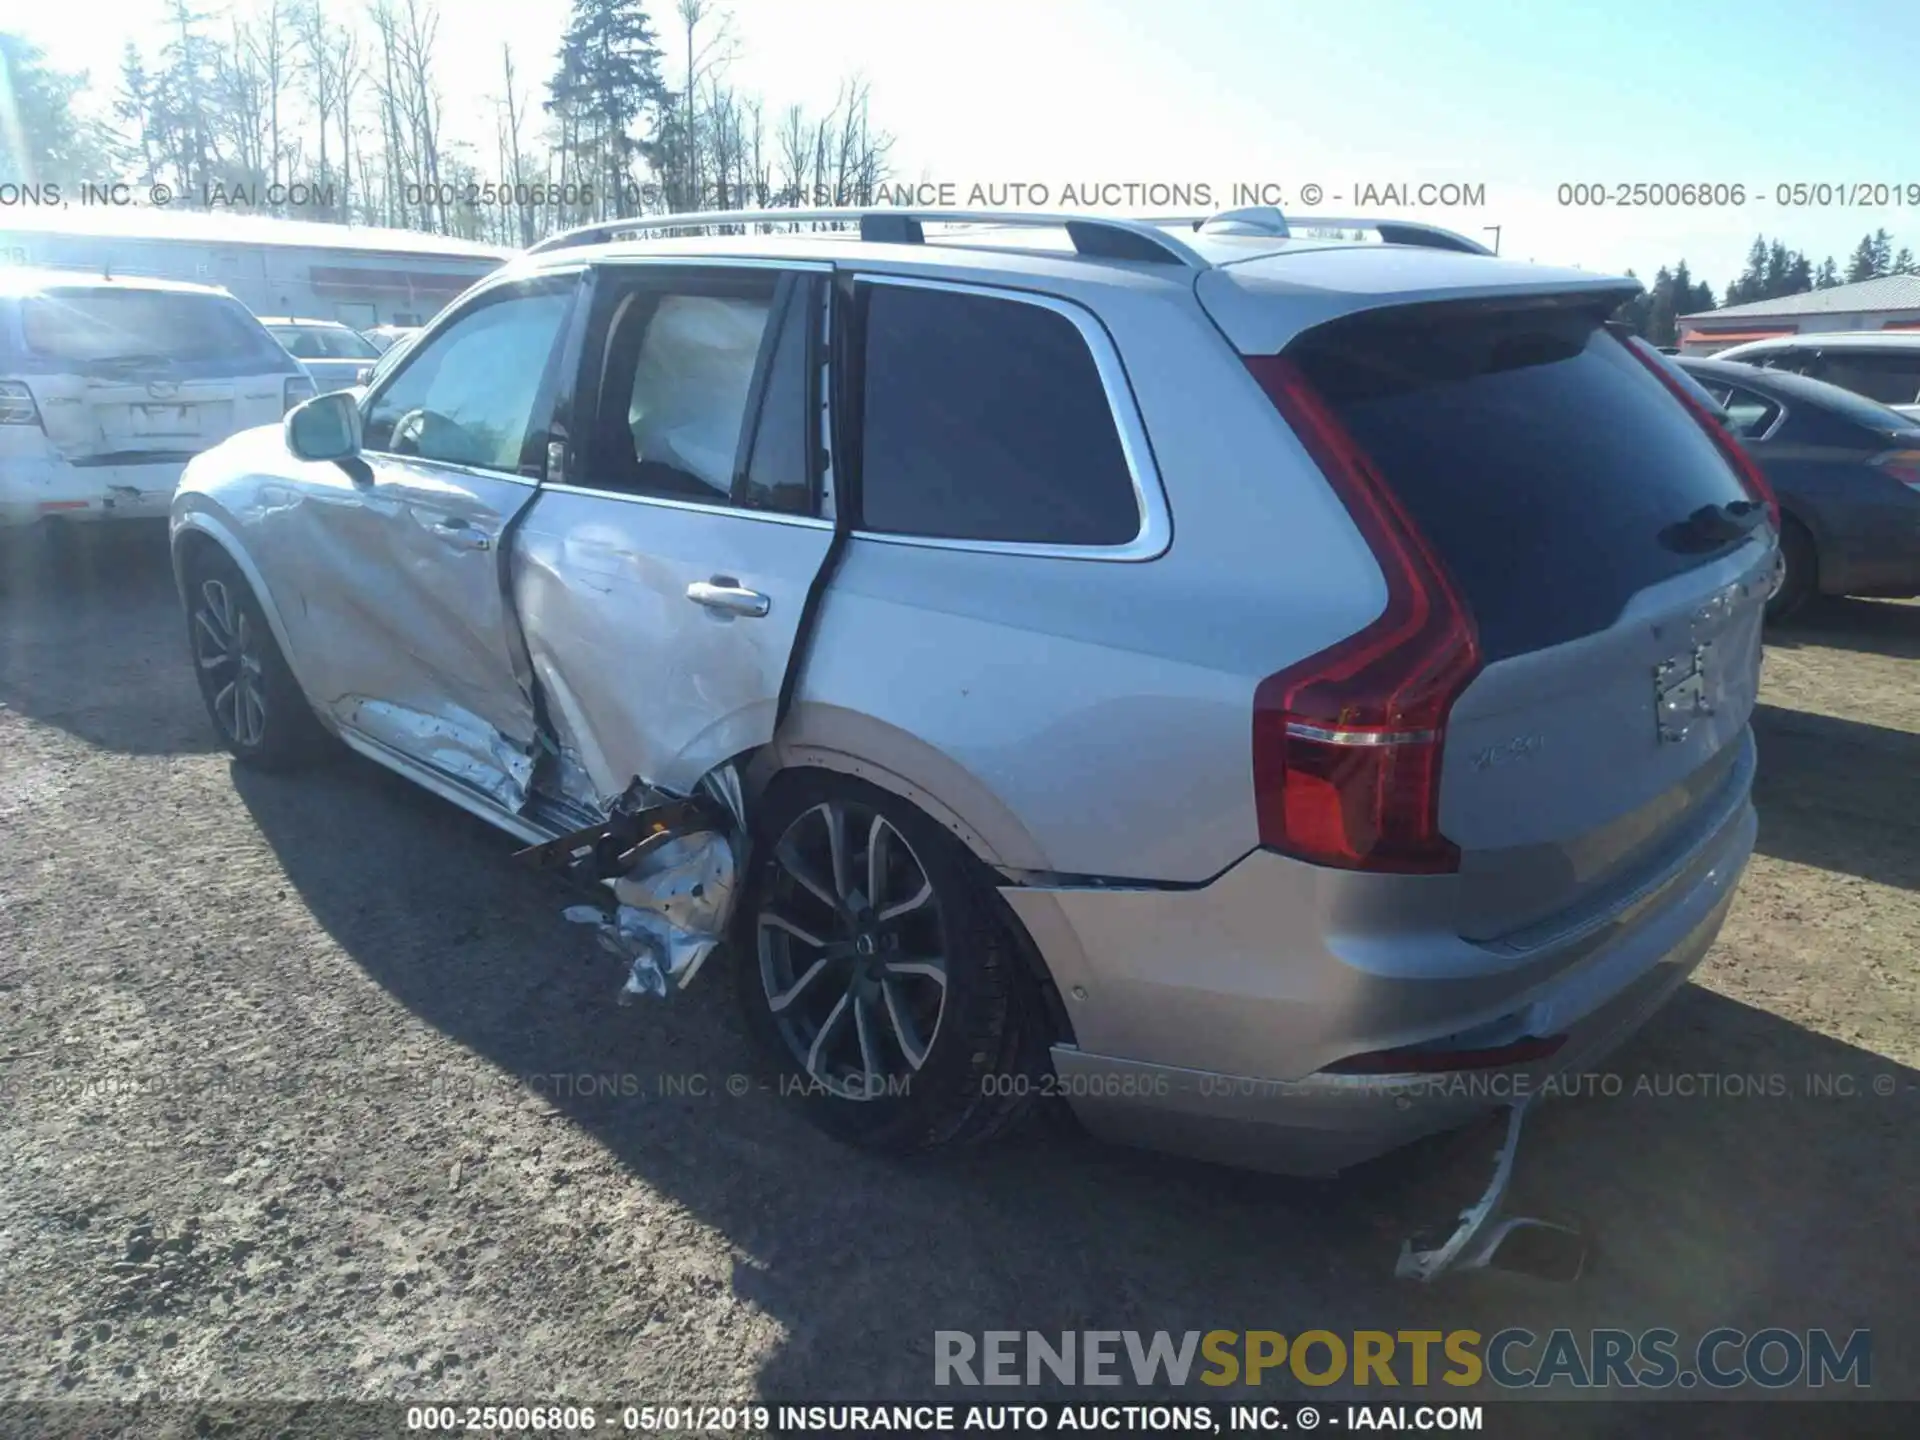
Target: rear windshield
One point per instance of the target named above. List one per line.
(320, 343)
(98, 326)
(1539, 457)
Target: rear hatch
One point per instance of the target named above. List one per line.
(1613, 564)
(124, 375)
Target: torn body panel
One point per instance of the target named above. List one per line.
(643, 669)
(455, 742)
(673, 865)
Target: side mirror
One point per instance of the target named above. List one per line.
(326, 427)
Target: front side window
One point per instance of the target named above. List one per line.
(467, 396)
(986, 419)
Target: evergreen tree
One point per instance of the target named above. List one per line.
(1751, 282)
(1872, 257)
(606, 85)
(1827, 276)
(49, 143)
(1903, 263)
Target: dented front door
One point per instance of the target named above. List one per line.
(423, 655)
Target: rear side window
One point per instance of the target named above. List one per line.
(986, 419)
(1749, 415)
(1537, 455)
(1891, 377)
(92, 327)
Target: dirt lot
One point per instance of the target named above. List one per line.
(278, 1116)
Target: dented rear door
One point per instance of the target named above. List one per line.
(661, 585)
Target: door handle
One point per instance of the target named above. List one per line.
(725, 594)
(458, 530)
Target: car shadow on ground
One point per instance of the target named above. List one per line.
(1869, 627)
(127, 696)
(1754, 1200)
(1815, 808)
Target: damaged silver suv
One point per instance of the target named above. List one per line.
(1277, 692)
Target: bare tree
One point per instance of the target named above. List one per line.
(268, 49)
(314, 40)
(344, 56)
(512, 170)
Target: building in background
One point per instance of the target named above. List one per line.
(1891, 302)
(354, 274)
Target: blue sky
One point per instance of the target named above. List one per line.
(1517, 97)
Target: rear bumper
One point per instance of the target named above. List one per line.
(1204, 1025)
(35, 490)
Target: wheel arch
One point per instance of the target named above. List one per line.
(197, 530)
(827, 738)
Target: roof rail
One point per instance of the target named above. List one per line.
(1267, 220)
(1095, 236)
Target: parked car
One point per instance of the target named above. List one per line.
(109, 386)
(335, 355)
(1277, 706)
(1874, 363)
(383, 337)
(1847, 474)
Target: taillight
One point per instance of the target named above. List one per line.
(299, 388)
(1347, 743)
(1902, 465)
(16, 404)
(1744, 465)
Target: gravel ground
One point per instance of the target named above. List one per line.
(291, 1104)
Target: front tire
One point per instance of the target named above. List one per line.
(256, 705)
(878, 976)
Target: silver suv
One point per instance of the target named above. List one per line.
(1281, 696)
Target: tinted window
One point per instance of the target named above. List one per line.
(1800, 362)
(467, 396)
(985, 419)
(681, 355)
(1749, 415)
(92, 326)
(1541, 459)
(1891, 377)
(318, 342)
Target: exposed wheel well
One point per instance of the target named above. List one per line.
(188, 547)
(1059, 1023)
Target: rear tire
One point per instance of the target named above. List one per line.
(1802, 579)
(256, 706)
(903, 1025)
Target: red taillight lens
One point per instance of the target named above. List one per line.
(1347, 743)
(1744, 465)
(1902, 465)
